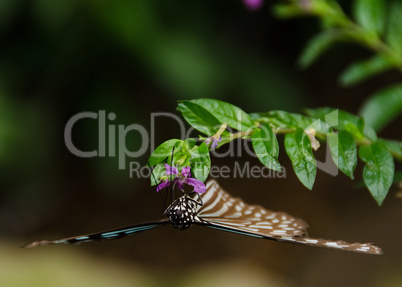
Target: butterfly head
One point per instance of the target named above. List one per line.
(181, 212)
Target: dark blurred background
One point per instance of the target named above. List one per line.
(137, 57)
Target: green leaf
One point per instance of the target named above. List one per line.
(278, 119)
(181, 155)
(298, 148)
(190, 143)
(319, 44)
(162, 151)
(394, 147)
(352, 129)
(266, 147)
(370, 14)
(285, 120)
(286, 11)
(310, 123)
(282, 119)
(342, 120)
(200, 162)
(200, 118)
(394, 28)
(323, 113)
(254, 116)
(378, 173)
(383, 107)
(363, 70)
(344, 151)
(334, 117)
(157, 172)
(227, 113)
(369, 132)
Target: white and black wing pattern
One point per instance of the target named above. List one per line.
(221, 208)
(105, 235)
(223, 212)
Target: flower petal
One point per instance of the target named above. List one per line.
(180, 184)
(199, 186)
(171, 170)
(215, 142)
(253, 4)
(162, 185)
(185, 171)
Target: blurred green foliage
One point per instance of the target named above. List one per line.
(375, 25)
(128, 57)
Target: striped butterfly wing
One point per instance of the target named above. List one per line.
(104, 235)
(223, 212)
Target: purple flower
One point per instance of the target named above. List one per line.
(214, 142)
(253, 5)
(181, 178)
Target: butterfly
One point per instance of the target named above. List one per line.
(217, 209)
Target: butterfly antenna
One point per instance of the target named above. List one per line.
(153, 176)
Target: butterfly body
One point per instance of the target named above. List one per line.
(217, 209)
(182, 213)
